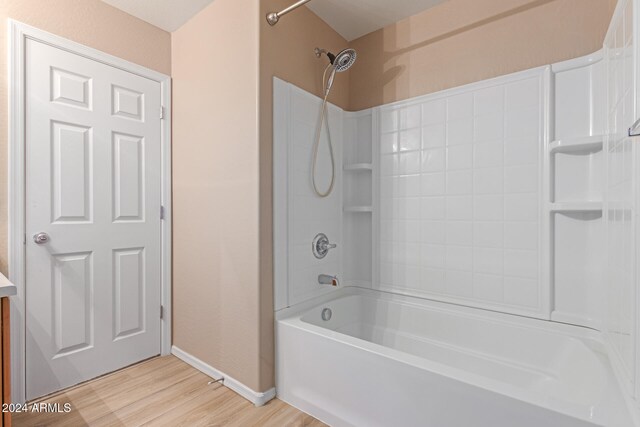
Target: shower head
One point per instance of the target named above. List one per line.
(339, 63)
(342, 61)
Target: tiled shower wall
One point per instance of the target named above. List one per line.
(620, 151)
(460, 184)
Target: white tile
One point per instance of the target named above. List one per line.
(489, 100)
(408, 185)
(389, 120)
(460, 182)
(460, 132)
(521, 207)
(459, 283)
(409, 208)
(520, 263)
(460, 233)
(488, 234)
(388, 187)
(433, 208)
(406, 276)
(388, 164)
(522, 151)
(522, 292)
(522, 94)
(487, 155)
(389, 143)
(459, 208)
(410, 139)
(522, 123)
(521, 179)
(488, 287)
(412, 253)
(460, 106)
(433, 184)
(409, 163)
(388, 210)
(433, 160)
(387, 251)
(386, 230)
(459, 258)
(521, 235)
(434, 136)
(488, 181)
(432, 280)
(488, 127)
(460, 157)
(396, 253)
(433, 256)
(488, 260)
(410, 117)
(413, 276)
(432, 232)
(434, 112)
(488, 208)
(408, 230)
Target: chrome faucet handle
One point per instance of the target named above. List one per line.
(325, 279)
(320, 246)
(326, 246)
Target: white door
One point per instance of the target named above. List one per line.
(93, 171)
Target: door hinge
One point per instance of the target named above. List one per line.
(162, 312)
(24, 239)
(162, 112)
(161, 212)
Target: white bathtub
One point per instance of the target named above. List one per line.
(388, 360)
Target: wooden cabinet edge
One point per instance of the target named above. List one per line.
(6, 360)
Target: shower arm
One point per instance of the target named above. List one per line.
(274, 17)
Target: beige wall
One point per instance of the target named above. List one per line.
(286, 51)
(215, 188)
(92, 23)
(463, 41)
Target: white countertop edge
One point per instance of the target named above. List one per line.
(7, 288)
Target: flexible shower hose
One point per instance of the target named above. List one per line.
(323, 120)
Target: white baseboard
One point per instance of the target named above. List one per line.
(252, 396)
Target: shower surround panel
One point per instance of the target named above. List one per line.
(460, 195)
(300, 214)
(621, 155)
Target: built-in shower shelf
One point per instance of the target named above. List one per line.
(581, 144)
(358, 209)
(576, 207)
(358, 167)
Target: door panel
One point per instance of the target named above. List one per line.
(71, 305)
(93, 163)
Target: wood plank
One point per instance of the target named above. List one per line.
(160, 392)
(6, 359)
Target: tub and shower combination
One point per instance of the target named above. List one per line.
(441, 261)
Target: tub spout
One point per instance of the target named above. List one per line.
(325, 279)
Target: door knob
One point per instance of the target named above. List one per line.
(41, 238)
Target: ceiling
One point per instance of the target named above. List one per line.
(166, 14)
(355, 18)
(350, 18)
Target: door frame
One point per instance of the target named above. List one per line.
(18, 34)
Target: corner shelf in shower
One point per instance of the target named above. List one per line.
(576, 207)
(359, 167)
(580, 144)
(356, 209)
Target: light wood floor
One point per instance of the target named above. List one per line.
(161, 392)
